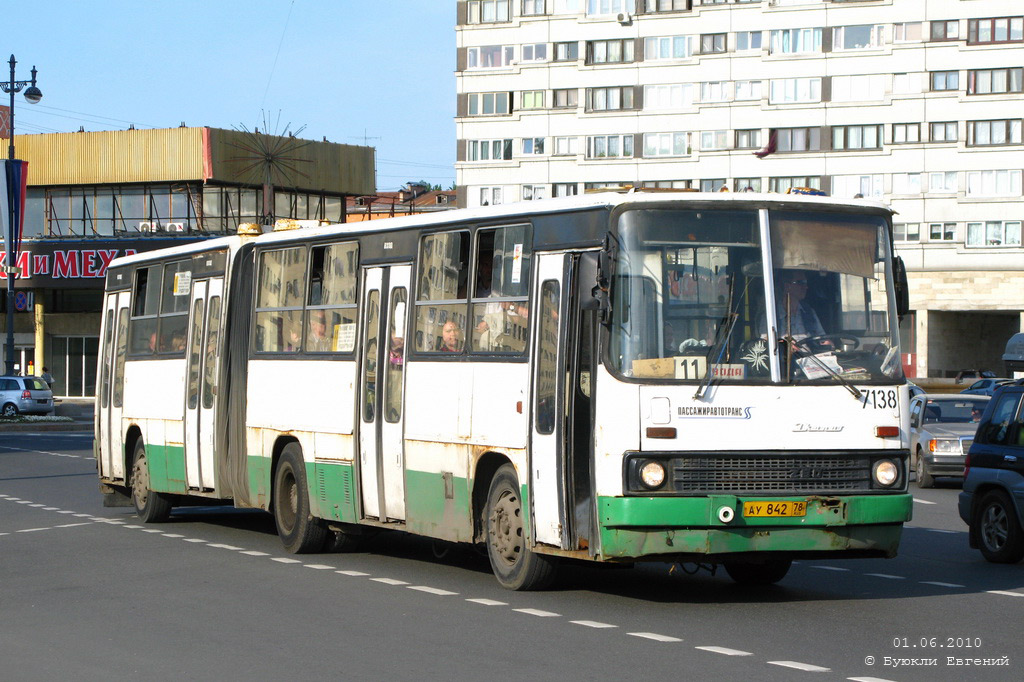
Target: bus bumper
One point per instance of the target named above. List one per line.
(683, 528)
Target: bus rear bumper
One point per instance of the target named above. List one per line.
(682, 528)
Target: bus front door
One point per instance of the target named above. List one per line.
(381, 445)
(201, 387)
(111, 385)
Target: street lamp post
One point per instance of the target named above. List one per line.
(32, 95)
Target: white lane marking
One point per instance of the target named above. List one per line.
(192, 539)
(253, 552)
(285, 560)
(488, 602)
(592, 624)
(133, 526)
(13, 499)
(943, 530)
(868, 679)
(319, 567)
(82, 516)
(432, 590)
(50, 508)
(72, 525)
(933, 582)
(886, 576)
(831, 568)
(655, 636)
(389, 581)
(219, 545)
(801, 666)
(24, 501)
(920, 501)
(66, 511)
(2, 496)
(539, 613)
(152, 530)
(724, 651)
(36, 504)
(354, 574)
(30, 530)
(1006, 594)
(173, 535)
(4, 533)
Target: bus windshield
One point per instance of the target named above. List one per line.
(691, 301)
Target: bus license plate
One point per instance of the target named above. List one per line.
(774, 508)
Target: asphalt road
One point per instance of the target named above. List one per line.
(86, 593)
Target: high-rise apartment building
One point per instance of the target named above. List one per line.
(917, 103)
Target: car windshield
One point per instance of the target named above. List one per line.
(689, 293)
(958, 411)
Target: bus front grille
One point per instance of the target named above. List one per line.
(771, 474)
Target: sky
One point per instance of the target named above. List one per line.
(373, 73)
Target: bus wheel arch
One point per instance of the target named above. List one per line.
(299, 530)
(151, 506)
(513, 561)
(486, 467)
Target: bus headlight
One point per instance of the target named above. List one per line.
(885, 472)
(652, 474)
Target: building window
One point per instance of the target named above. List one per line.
(906, 232)
(566, 146)
(611, 184)
(565, 98)
(795, 90)
(714, 140)
(857, 137)
(907, 83)
(748, 40)
(667, 97)
(945, 30)
(666, 184)
(861, 37)
(907, 32)
(567, 52)
(668, 47)
(490, 196)
(748, 90)
(535, 192)
(1001, 30)
(564, 189)
(609, 99)
(943, 131)
(715, 91)
(533, 145)
(712, 184)
(712, 43)
(944, 80)
(748, 139)
(994, 81)
(989, 133)
(942, 182)
(667, 6)
(850, 186)
(532, 99)
(605, 7)
(798, 140)
(609, 51)
(535, 52)
(906, 133)
(490, 103)
(795, 40)
(490, 57)
(665, 145)
(863, 88)
(993, 183)
(747, 184)
(489, 150)
(994, 233)
(941, 232)
(532, 8)
(488, 11)
(782, 185)
(609, 146)
(906, 183)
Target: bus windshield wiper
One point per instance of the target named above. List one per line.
(854, 391)
(715, 354)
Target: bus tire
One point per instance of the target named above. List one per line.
(514, 564)
(766, 572)
(299, 531)
(999, 533)
(151, 507)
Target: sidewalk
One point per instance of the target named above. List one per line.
(80, 410)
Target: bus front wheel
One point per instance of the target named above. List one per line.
(766, 572)
(514, 564)
(152, 507)
(298, 530)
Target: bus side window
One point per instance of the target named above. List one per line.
(145, 308)
(501, 289)
(279, 298)
(442, 292)
(330, 319)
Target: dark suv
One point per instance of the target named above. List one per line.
(993, 494)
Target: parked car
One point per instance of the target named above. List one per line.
(29, 395)
(985, 386)
(942, 429)
(992, 500)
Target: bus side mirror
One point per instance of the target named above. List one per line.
(899, 271)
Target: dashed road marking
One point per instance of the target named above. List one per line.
(319, 567)
(253, 552)
(886, 576)
(194, 540)
(220, 545)
(285, 560)
(655, 636)
(831, 568)
(939, 584)
(173, 535)
(73, 525)
(725, 651)
(797, 665)
(30, 530)
(1006, 593)
(592, 624)
(488, 602)
(389, 581)
(539, 613)
(354, 574)
(432, 590)
(868, 679)
(920, 501)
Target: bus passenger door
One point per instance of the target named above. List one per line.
(201, 386)
(548, 406)
(111, 384)
(381, 446)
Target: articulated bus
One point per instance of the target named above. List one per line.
(623, 377)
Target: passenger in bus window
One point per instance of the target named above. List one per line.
(451, 338)
(319, 341)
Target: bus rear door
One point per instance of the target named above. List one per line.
(111, 398)
(204, 351)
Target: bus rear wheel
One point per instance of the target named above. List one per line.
(151, 507)
(514, 564)
(766, 572)
(298, 530)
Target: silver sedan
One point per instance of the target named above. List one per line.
(941, 432)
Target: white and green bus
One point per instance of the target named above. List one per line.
(681, 377)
